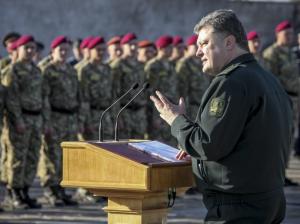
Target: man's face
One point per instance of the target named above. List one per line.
(61, 52)
(150, 52)
(211, 50)
(27, 51)
(86, 53)
(192, 50)
(146, 53)
(254, 45)
(286, 37)
(130, 48)
(114, 50)
(77, 53)
(97, 53)
(178, 51)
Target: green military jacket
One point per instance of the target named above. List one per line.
(126, 72)
(24, 91)
(243, 127)
(282, 62)
(161, 75)
(192, 83)
(63, 90)
(96, 84)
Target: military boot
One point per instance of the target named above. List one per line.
(51, 196)
(67, 199)
(17, 199)
(32, 203)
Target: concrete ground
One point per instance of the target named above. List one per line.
(187, 209)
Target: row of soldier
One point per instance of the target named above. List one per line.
(59, 100)
(62, 100)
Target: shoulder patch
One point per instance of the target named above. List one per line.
(217, 106)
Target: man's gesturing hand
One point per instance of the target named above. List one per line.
(168, 111)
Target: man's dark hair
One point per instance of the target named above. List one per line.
(39, 46)
(225, 21)
(9, 36)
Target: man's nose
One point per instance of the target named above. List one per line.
(199, 52)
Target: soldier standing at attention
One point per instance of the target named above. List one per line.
(26, 107)
(5, 143)
(192, 83)
(63, 120)
(96, 83)
(127, 71)
(282, 62)
(114, 49)
(86, 55)
(254, 45)
(161, 75)
(178, 49)
(146, 51)
(243, 127)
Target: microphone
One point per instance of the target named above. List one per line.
(134, 86)
(145, 86)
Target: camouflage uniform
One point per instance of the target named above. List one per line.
(5, 143)
(64, 118)
(259, 58)
(44, 62)
(3, 152)
(282, 62)
(126, 72)
(4, 62)
(25, 105)
(162, 76)
(96, 83)
(192, 83)
(78, 67)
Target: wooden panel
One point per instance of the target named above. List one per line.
(166, 177)
(89, 166)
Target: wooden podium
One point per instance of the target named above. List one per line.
(135, 183)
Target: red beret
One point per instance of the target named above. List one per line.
(24, 40)
(114, 40)
(85, 42)
(95, 41)
(177, 40)
(283, 26)
(59, 40)
(252, 35)
(163, 41)
(145, 43)
(13, 46)
(192, 40)
(128, 37)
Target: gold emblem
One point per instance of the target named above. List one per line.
(217, 106)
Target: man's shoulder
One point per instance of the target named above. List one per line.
(152, 63)
(270, 51)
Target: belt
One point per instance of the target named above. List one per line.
(98, 107)
(132, 106)
(65, 111)
(31, 112)
(292, 93)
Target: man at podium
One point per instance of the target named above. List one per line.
(242, 129)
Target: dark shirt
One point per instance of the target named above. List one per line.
(243, 127)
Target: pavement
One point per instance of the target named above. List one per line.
(188, 209)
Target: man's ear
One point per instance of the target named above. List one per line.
(230, 42)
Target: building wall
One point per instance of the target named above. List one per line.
(46, 19)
